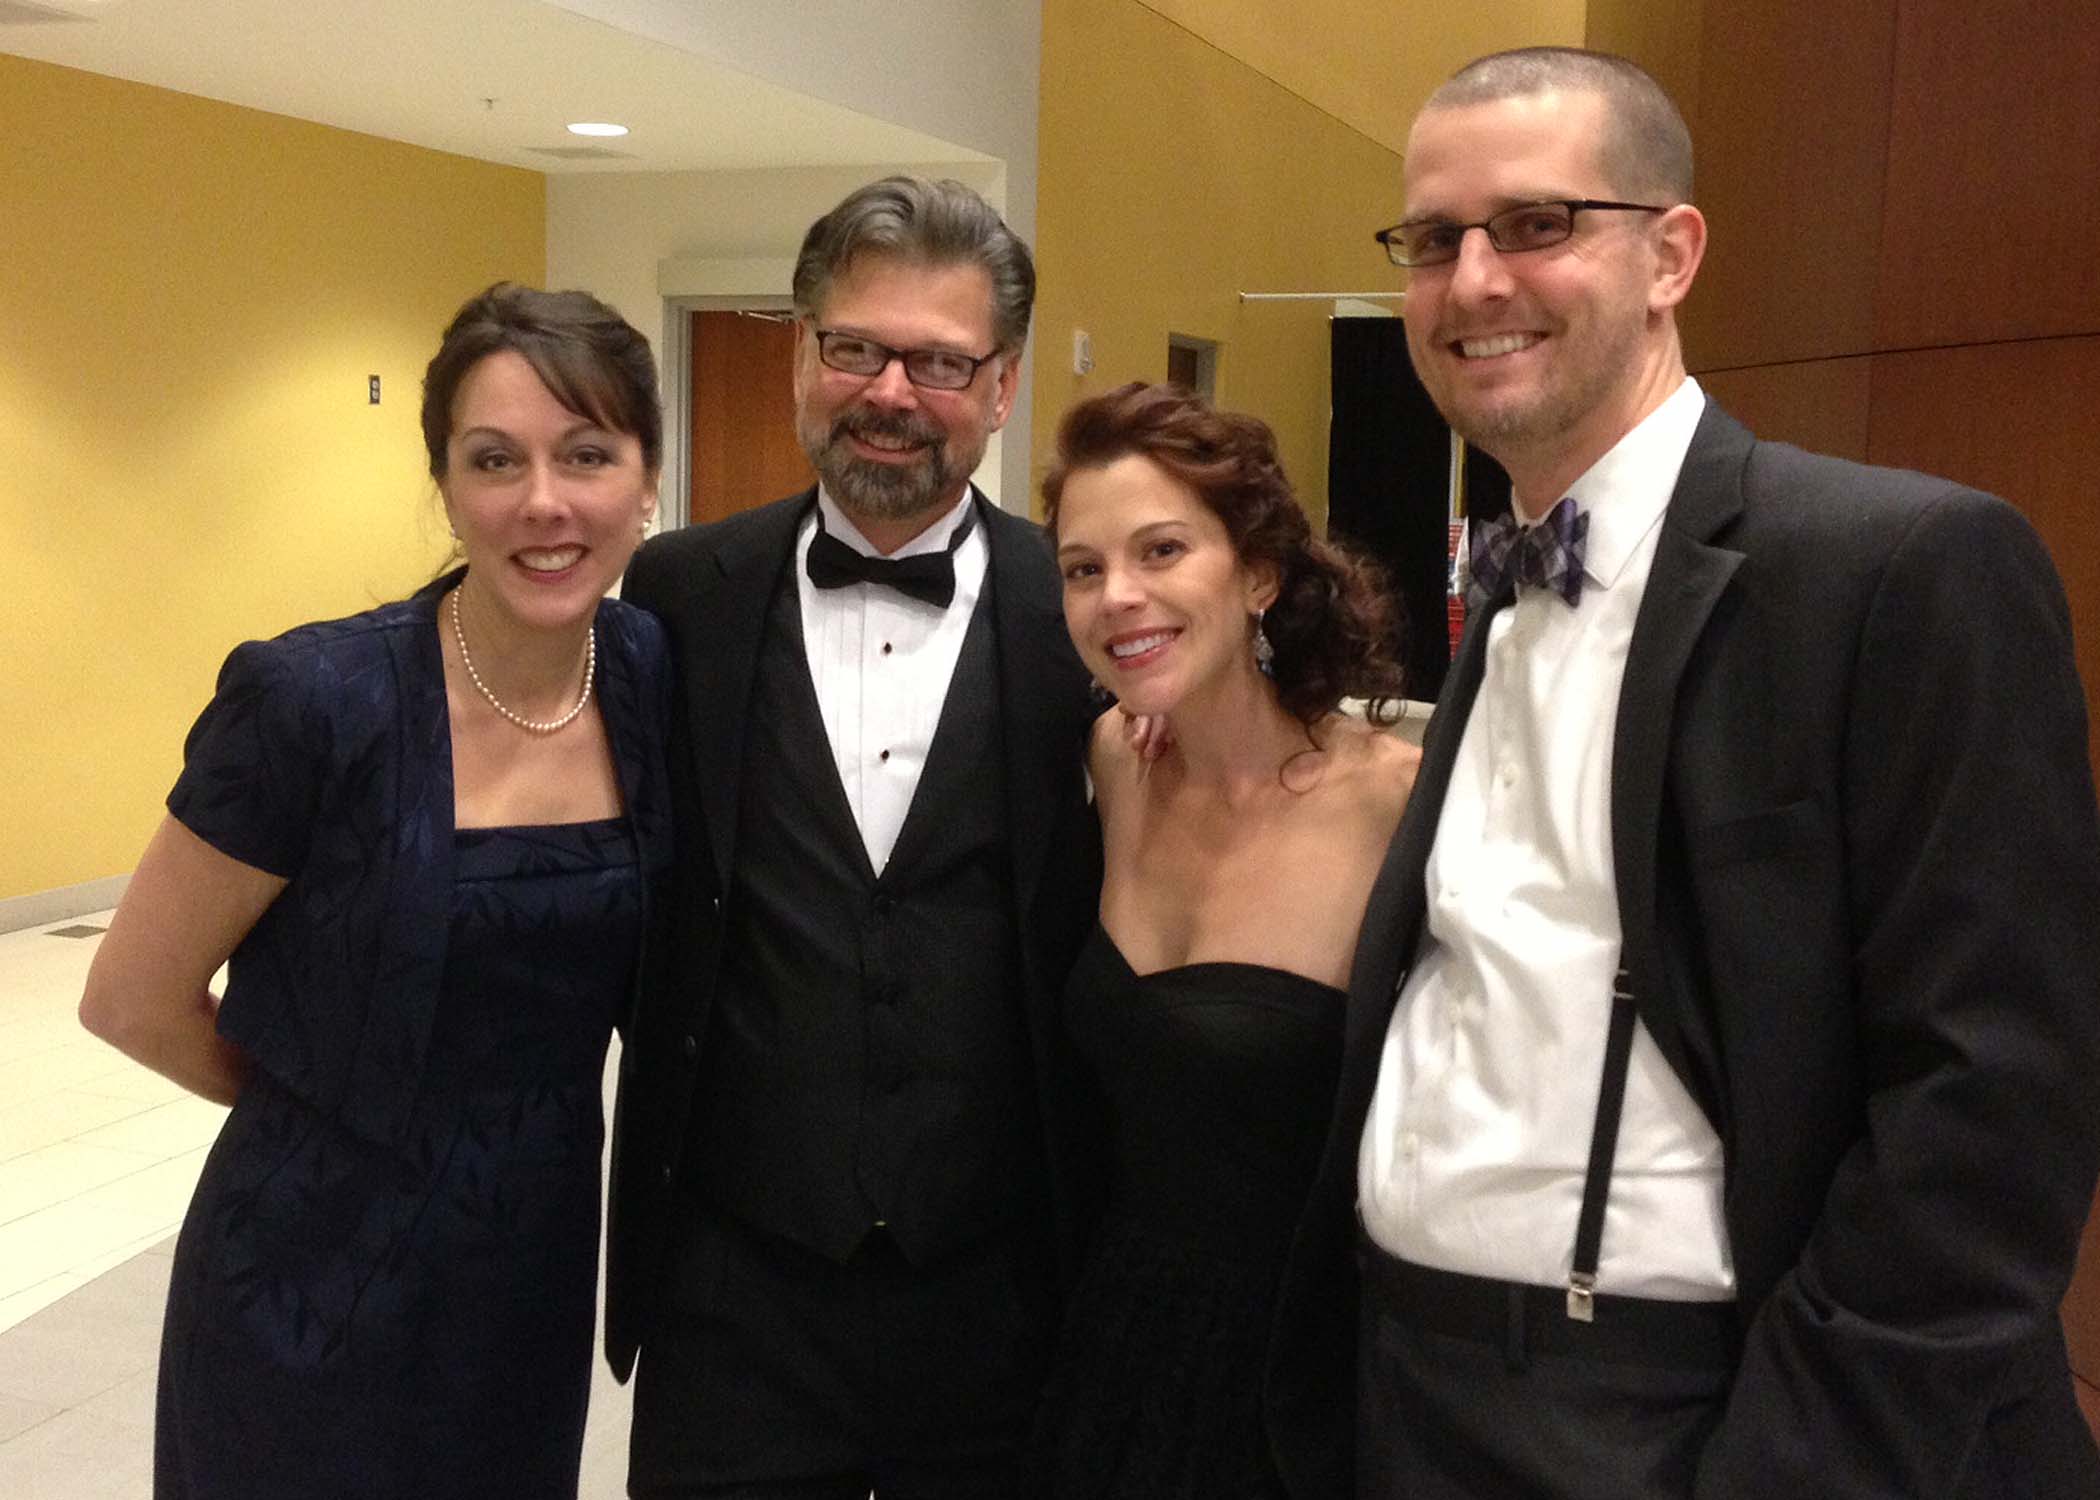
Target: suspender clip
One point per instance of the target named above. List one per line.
(1582, 1299)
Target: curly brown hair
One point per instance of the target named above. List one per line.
(1333, 625)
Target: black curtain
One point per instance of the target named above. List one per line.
(1389, 485)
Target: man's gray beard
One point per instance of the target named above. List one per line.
(884, 492)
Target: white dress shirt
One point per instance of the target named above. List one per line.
(1478, 1137)
(881, 662)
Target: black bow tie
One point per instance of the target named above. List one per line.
(925, 575)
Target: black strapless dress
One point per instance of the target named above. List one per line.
(356, 1322)
(1219, 1079)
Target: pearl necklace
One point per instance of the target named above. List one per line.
(531, 726)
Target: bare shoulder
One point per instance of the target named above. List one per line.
(1378, 768)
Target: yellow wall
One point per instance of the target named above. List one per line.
(1173, 176)
(1371, 63)
(191, 298)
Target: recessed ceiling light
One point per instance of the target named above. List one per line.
(592, 127)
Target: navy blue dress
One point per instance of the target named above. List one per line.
(347, 1318)
(385, 1283)
(1219, 1079)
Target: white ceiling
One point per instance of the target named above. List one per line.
(493, 79)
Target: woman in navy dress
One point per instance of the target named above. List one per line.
(423, 836)
(1238, 862)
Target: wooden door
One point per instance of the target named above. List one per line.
(744, 451)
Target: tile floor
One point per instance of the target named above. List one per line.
(98, 1158)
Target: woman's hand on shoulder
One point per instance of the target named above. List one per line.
(1109, 747)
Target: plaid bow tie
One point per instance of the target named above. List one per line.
(1547, 556)
(926, 576)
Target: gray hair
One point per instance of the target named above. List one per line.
(1647, 149)
(932, 223)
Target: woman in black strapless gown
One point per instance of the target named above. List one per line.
(1209, 1004)
(422, 838)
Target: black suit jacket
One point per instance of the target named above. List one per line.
(713, 587)
(1858, 868)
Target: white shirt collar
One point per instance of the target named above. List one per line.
(1627, 490)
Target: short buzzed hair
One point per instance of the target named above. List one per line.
(931, 223)
(1647, 148)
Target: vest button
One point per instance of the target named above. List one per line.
(885, 904)
(690, 1046)
(667, 1174)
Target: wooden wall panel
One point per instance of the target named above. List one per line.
(1819, 404)
(1992, 227)
(1664, 39)
(1789, 131)
(2022, 421)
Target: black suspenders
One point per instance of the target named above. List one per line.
(1604, 1143)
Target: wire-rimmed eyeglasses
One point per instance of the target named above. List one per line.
(1528, 226)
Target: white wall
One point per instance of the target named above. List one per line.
(964, 70)
(611, 232)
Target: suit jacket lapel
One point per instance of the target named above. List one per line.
(729, 612)
(1038, 677)
(1685, 582)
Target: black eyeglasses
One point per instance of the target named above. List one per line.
(935, 369)
(1528, 226)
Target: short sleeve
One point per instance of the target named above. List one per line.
(251, 767)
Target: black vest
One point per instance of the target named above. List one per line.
(867, 1060)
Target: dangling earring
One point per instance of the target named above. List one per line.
(1264, 653)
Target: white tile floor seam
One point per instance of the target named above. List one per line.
(98, 1158)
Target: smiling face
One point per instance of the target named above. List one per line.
(889, 450)
(1158, 603)
(1543, 358)
(548, 506)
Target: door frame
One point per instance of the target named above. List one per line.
(703, 284)
(677, 381)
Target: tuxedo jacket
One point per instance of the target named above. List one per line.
(1857, 861)
(713, 587)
